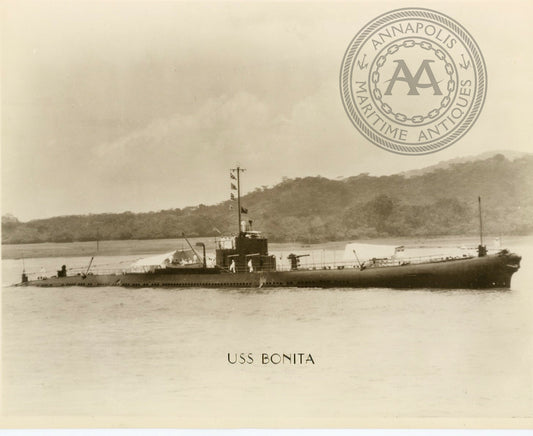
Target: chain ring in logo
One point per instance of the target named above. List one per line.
(413, 81)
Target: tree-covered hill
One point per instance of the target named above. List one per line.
(313, 209)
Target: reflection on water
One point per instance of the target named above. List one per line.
(378, 352)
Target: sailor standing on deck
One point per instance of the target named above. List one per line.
(250, 266)
(232, 266)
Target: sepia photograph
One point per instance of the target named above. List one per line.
(266, 214)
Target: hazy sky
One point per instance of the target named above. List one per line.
(116, 106)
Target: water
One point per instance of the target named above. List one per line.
(378, 353)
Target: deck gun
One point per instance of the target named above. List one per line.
(295, 260)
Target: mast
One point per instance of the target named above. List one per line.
(239, 197)
(24, 275)
(480, 223)
(238, 170)
(481, 249)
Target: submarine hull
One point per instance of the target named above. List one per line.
(491, 271)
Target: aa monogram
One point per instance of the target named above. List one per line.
(413, 81)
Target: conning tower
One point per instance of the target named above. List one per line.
(248, 251)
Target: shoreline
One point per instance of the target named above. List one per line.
(154, 246)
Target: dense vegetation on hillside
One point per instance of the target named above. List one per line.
(313, 209)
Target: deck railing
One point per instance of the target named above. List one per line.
(283, 264)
